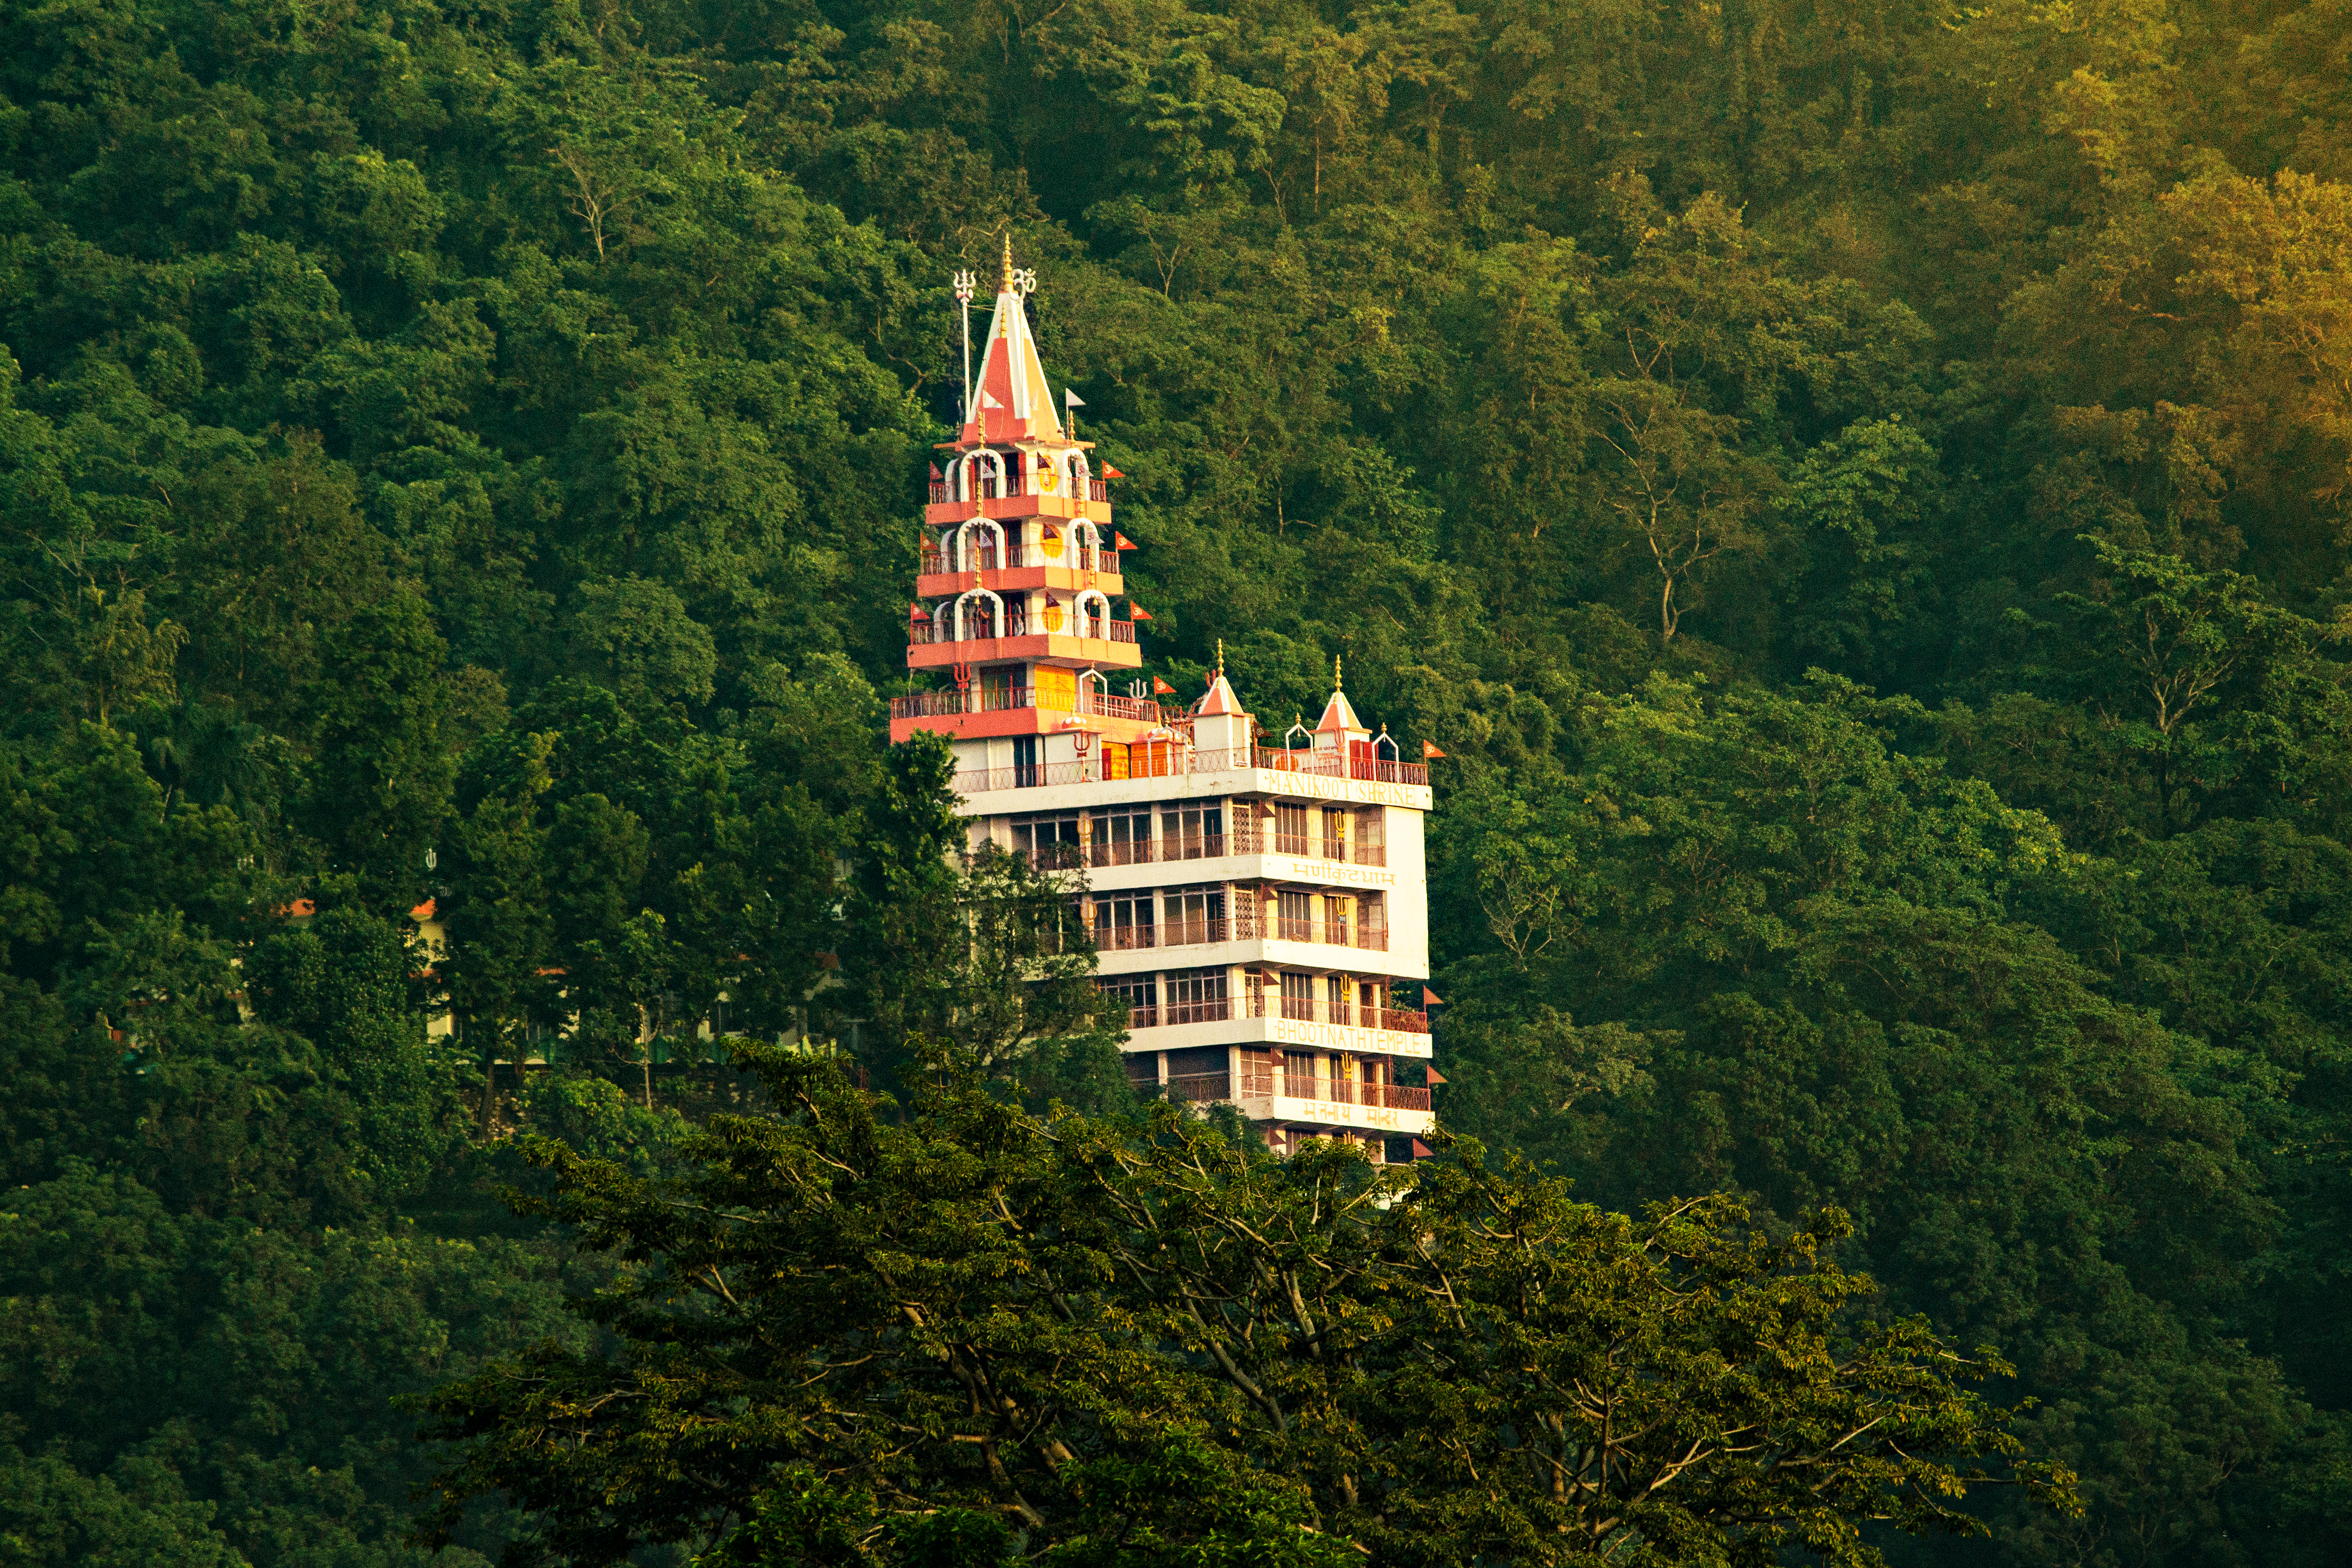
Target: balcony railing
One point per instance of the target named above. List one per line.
(942, 630)
(1330, 933)
(1201, 932)
(1244, 925)
(1246, 838)
(1325, 764)
(986, 558)
(974, 781)
(1133, 852)
(986, 488)
(1206, 1086)
(1318, 1010)
(1305, 1009)
(999, 699)
(1380, 1096)
(1196, 1086)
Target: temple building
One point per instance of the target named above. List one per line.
(1256, 906)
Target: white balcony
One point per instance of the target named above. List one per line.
(1356, 1031)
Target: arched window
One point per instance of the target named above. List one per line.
(986, 553)
(973, 483)
(1094, 614)
(993, 625)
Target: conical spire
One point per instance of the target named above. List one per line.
(1340, 714)
(1011, 398)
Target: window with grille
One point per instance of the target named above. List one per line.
(1297, 995)
(1335, 919)
(1122, 837)
(1299, 1075)
(1371, 836)
(1047, 842)
(1290, 830)
(1196, 914)
(1294, 913)
(1138, 993)
(1198, 997)
(1335, 832)
(1257, 1073)
(1336, 999)
(1124, 922)
(1200, 1072)
(1193, 831)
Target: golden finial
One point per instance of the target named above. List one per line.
(1220, 656)
(1004, 286)
(1335, 672)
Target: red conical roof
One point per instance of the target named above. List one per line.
(1219, 698)
(1337, 714)
(1011, 398)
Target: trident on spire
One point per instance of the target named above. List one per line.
(964, 281)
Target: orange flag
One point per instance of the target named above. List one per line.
(1429, 749)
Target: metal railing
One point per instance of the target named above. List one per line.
(937, 564)
(1340, 1091)
(1125, 852)
(942, 631)
(993, 700)
(974, 781)
(986, 487)
(1318, 1010)
(1322, 764)
(1175, 1013)
(1304, 1009)
(1204, 1085)
(1244, 925)
(1371, 938)
(1245, 838)
(1200, 932)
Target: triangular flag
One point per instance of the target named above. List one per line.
(1072, 398)
(1429, 749)
(1429, 998)
(936, 474)
(917, 612)
(1135, 612)
(1162, 689)
(1111, 473)
(1434, 1076)
(988, 402)
(1121, 542)
(1422, 1151)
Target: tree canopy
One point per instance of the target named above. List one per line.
(1858, 496)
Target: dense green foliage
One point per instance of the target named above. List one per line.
(1859, 494)
(1143, 1344)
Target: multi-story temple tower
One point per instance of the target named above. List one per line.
(1256, 905)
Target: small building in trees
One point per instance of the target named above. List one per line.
(1261, 910)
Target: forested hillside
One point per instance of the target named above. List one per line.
(1861, 494)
